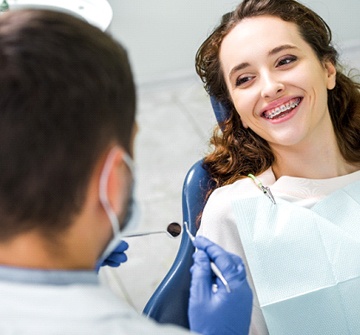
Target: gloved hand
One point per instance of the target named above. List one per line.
(117, 257)
(214, 312)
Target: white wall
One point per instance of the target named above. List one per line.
(342, 16)
(162, 36)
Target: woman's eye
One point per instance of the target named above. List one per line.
(286, 60)
(242, 80)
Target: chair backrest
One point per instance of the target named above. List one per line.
(221, 111)
(169, 303)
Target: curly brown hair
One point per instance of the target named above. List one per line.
(239, 151)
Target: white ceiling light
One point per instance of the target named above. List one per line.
(96, 12)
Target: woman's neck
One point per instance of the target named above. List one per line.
(316, 161)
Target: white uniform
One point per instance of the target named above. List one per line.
(219, 221)
(67, 302)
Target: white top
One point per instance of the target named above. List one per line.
(219, 225)
(67, 302)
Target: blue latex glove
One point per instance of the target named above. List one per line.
(117, 257)
(220, 312)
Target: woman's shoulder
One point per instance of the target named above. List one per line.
(237, 188)
(218, 221)
(242, 188)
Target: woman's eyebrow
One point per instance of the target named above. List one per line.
(281, 48)
(238, 67)
(272, 52)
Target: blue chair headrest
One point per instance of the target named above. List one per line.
(221, 111)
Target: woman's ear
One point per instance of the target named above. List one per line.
(331, 74)
(244, 124)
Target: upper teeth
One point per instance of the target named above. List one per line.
(281, 109)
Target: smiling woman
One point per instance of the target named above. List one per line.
(239, 151)
(279, 86)
(293, 122)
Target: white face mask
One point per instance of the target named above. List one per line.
(132, 215)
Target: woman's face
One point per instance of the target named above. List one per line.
(276, 82)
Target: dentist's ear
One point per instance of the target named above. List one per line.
(113, 173)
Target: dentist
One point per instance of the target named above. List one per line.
(67, 110)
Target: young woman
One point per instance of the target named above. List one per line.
(286, 164)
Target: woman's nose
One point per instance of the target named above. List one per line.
(271, 86)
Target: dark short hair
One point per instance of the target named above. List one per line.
(66, 94)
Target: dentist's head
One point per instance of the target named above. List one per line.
(67, 111)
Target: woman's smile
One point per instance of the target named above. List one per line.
(281, 111)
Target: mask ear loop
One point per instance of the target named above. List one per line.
(103, 182)
(104, 178)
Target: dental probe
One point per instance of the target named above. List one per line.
(213, 266)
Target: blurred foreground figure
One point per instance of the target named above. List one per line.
(67, 109)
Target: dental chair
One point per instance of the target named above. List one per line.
(169, 302)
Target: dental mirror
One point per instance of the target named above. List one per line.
(172, 230)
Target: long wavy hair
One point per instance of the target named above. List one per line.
(238, 151)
